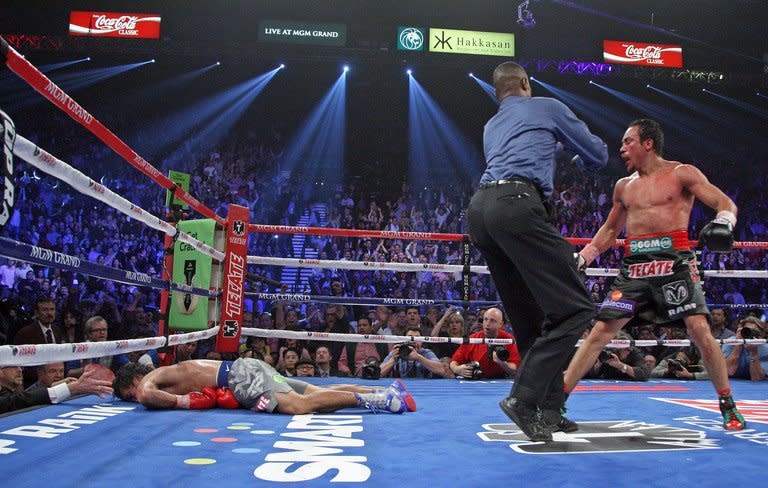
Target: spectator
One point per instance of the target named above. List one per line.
(72, 330)
(685, 364)
(749, 361)
(48, 375)
(12, 396)
(290, 359)
(96, 330)
(354, 355)
(451, 324)
(620, 364)
(305, 367)
(488, 360)
(323, 363)
(412, 360)
(41, 330)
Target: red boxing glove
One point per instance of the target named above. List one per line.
(226, 399)
(197, 400)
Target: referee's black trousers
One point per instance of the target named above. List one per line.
(535, 274)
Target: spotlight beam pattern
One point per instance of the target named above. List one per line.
(487, 88)
(735, 125)
(609, 121)
(227, 107)
(69, 82)
(676, 121)
(436, 144)
(318, 148)
(739, 103)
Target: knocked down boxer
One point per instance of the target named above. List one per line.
(248, 383)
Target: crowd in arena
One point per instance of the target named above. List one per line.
(245, 169)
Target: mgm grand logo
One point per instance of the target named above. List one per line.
(657, 244)
(603, 437)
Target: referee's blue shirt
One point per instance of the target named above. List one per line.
(520, 140)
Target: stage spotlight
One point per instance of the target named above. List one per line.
(409, 72)
(218, 63)
(88, 58)
(282, 66)
(152, 60)
(703, 89)
(591, 82)
(346, 68)
(471, 75)
(647, 85)
(533, 78)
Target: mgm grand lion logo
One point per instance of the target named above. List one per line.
(602, 437)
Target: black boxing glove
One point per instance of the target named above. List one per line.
(717, 235)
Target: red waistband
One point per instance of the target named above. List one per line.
(679, 239)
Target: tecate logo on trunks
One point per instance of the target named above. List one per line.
(653, 268)
(655, 244)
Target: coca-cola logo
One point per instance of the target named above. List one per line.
(119, 23)
(648, 52)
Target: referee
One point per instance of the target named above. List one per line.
(531, 264)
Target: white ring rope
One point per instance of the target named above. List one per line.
(57, 168)
(392, 339)
(364, 265)
(455, 268)
(35, 354)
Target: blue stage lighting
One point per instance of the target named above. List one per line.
(471, 75)
(218, 63)
(409, 72)
(647, 85)
(88, 58)
(152, 60)
(346, 68)
(282, 66)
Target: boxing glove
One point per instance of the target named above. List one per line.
(197, 400)
(717, 236)
(226, 399)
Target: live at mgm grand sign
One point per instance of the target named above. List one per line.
(289, 32)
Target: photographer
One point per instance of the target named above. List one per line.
(410, 360)
(685, 364)
(476, 361)
(751, 360)
(620, 364)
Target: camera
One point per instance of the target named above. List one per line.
(604, 356)
(675, 365)
(750, 333)
(476, 372)
(501, 352)
(371, 369)
(405, 350)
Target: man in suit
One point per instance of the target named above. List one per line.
(41, 330)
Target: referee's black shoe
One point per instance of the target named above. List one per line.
(558, 422)
(528, 418)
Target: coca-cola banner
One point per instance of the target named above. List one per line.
(643, 54)
(114, 24)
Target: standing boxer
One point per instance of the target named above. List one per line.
(659, 280)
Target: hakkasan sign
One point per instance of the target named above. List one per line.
(471, 42)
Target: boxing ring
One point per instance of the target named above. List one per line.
(671, 432)
(630, 434)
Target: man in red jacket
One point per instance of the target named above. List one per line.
(468, 357)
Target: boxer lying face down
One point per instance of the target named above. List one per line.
(247, 383)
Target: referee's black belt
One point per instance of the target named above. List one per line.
(515, 180)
